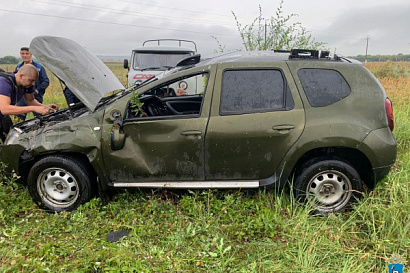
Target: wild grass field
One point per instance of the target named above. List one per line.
(217, 230)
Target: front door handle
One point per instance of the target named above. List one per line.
(192, 133)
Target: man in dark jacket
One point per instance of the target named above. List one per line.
(41, 83)
(14, 87)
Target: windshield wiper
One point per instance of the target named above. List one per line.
(114, 94)
(152, 68)
(158, 67)
(146, 82)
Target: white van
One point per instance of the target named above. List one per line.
(156, 56)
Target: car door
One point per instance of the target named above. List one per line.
(169, 147)
(256, 116)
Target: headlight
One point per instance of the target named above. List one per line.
(13, 135)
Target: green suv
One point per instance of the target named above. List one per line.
(242, 120)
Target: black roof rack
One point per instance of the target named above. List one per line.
(309, 54)
(281, 51)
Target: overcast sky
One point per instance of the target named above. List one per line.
(114, 27)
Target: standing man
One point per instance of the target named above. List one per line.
(41, 83)
(13, 87)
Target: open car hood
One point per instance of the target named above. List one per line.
(81, 71)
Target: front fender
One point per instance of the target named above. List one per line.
(10, 155)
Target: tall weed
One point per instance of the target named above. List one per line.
(389, 69)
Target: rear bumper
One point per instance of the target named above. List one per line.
(380, 148)
(380, 173)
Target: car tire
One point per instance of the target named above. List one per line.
(61, 183)
(330, 185)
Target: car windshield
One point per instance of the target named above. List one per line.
(157, 60)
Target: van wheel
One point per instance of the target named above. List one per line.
(61, 183)
(329, 185)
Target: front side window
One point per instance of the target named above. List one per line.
(257, 90)
(180, 97)
(184, 86)
(323, 87)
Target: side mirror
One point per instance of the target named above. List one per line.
(117, 134)
(117, 139)
(126, 64)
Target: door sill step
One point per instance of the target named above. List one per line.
(190, 184)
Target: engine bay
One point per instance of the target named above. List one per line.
(59, 116)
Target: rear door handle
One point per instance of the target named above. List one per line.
(283, 127)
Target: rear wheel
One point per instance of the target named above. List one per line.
(330, 185)
(61, 183)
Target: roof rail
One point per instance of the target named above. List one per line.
(158, 41)
(309, 54)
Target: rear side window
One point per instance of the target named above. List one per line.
(323, 87)
(248, 91)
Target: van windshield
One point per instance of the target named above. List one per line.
(158, 61)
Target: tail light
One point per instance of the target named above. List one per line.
(389, 114)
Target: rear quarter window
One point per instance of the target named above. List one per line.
(251, 91)
(323, 87)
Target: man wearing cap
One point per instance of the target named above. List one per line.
(14, 87)
(41, 83)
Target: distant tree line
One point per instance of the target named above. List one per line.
(383, 58)
(9, 60)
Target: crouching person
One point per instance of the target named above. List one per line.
(13, 87)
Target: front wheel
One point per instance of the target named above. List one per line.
(330, 185)
(61, 183)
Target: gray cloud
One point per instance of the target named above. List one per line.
(387, 28)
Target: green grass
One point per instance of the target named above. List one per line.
(213, 231)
